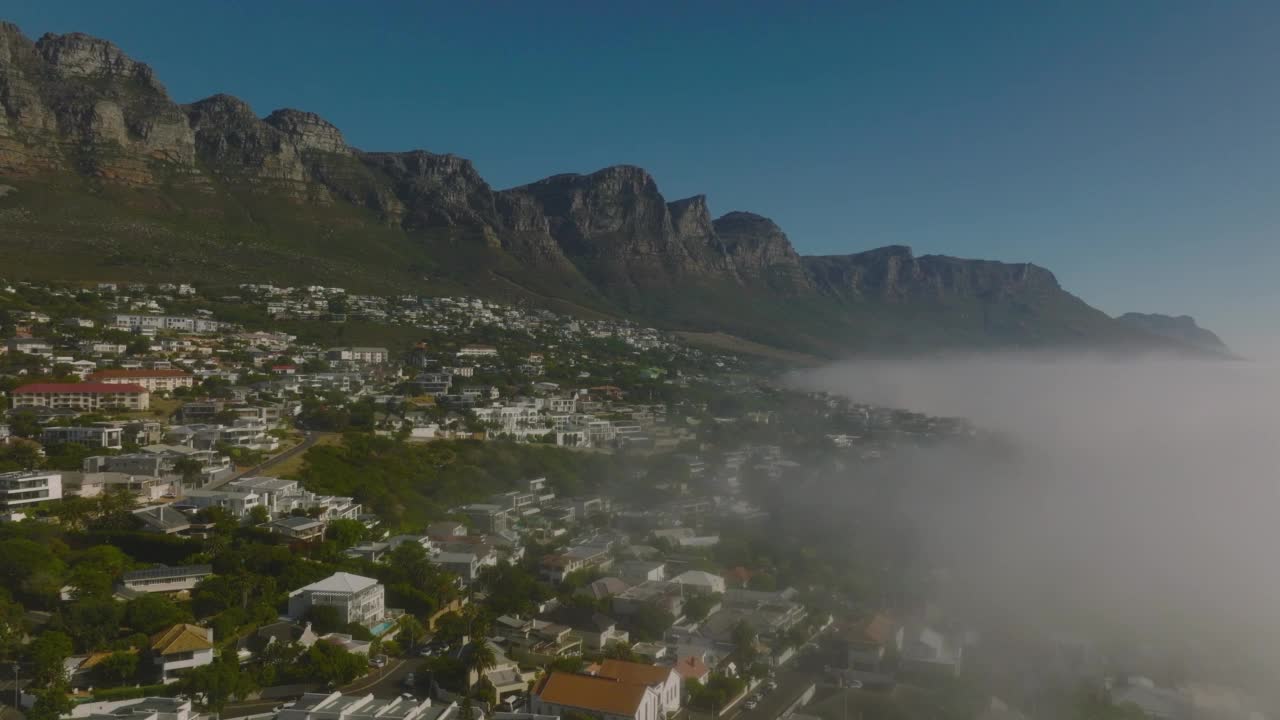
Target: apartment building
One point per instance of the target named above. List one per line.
(25, 487)
(361, 355)
(154, 380)
(108, 438)
(82, 396)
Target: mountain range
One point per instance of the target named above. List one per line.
(104, 176)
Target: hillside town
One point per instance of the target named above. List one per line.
(301, 503)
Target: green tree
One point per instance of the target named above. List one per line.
(53, 701)
(743, 637)
(651, 622)
(333, 664)
(19, 454)
(259, 515)
(618, 650)
(512, 589)
(345, 533)
(478, 658)
(12, 627)
(697, 607)
(93, 621)
(216, 684)
(152, 613)
(189, 469)
(47, 654)
(410, 631)
(451, 628)
(32, 570)
(119, 667)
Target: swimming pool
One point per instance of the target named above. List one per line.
(381, 628)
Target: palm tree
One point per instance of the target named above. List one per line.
(478, 658)
(411, 631)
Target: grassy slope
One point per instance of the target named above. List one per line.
(65, 228)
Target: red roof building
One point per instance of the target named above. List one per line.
(83, 396)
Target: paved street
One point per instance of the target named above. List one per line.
(791, 684)
(307, 441)
(383, 683)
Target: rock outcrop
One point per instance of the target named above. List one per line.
(895, 274)
(761, 252)
(308, 131)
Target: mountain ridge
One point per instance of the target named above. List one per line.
(1182, 328)
(106, 164)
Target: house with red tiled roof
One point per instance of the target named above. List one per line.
(603, 698)
(82, 396)
(866, 641)
(692, 667)
(666, 681)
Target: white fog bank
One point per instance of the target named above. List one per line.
(1144, 490)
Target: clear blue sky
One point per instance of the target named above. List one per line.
(1131, 147)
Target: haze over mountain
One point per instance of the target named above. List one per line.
(107, 176)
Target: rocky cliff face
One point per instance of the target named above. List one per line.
(437, 190)
(236, 144)
(895, 274)
(761, 252)
(73, 102)
(308, 131)
(73, 105)
(1182, 328)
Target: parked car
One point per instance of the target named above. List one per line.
(378, 661)
(409, 680)
(750, 704)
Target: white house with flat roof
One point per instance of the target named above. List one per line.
(236, 502)
(25, 487)
(110, 438)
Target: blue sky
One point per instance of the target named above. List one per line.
(1130, 147)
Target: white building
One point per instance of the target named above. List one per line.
(361, 355)
(181, 647)
(111, 438)
(282, 497)
(136, 323)
(236, 502)
(357, 599)
(600, 697)
(165, 579)
(664, 680)
(26, 487)
(154, 380)
(700, 581)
